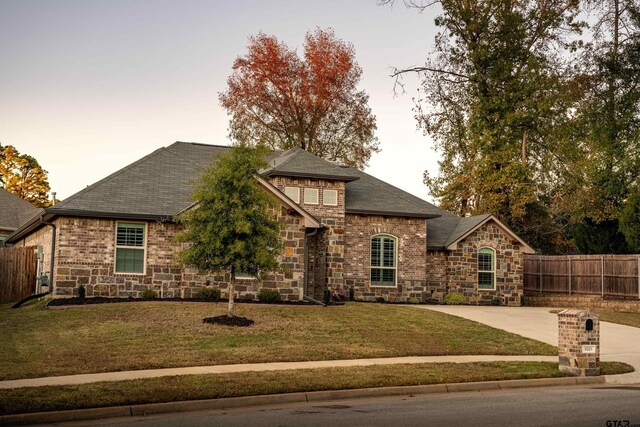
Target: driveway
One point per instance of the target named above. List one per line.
(618, 343)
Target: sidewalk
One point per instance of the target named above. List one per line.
(220, 369)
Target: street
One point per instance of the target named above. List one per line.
(603, 406)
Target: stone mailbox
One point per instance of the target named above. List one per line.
(579, 342)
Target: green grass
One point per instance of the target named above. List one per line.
(620, 317)
(193, 387)
(113, 337)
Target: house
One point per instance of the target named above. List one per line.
(14, 212)
(344, 229)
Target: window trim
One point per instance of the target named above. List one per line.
(317, 191)
(324, 202)
(143, 247)
(395, 262)
(297, 199)
(492, 271)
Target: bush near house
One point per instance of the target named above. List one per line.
(454, 299)
(149, 294)
(208, 294)
(269, 296)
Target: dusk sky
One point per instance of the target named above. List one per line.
(88, 87)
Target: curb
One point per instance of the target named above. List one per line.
(276, 399)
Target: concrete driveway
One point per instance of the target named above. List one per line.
(618, 343)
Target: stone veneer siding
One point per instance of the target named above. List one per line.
(411, 234)
(327, 247)
(41, 237)
(462, 268)
(86, 251)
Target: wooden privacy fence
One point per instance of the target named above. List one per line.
(610, 276)
(18, 266)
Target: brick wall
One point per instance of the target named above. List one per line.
(411, 234)
(580, 301)
(86, 252)
(41, 237)
(462, 268)
(572, 336)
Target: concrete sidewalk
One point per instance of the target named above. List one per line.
(249, 367)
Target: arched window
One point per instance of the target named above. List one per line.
(486, 268)
(383, 260)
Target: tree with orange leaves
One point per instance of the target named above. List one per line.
(281, 100)
(23, 176)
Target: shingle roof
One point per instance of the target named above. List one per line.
(14, 211)
(371, 195)
(443, 231)
(300, 163)
(160, 184)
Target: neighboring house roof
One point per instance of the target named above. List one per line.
(14, 211)
(445, 232)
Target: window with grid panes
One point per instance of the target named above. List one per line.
(486, 268)
(383, 260)
(130, 247)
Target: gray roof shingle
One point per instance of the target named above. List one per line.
(300, 163)
(14, 211)
(443, 231)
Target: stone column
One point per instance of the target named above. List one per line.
(579, 342)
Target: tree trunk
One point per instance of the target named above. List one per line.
(232, 291)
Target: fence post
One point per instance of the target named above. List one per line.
(569, 256)
(602, 273)
(540, 273)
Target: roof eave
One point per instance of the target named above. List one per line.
(345, 178)
(391, 213)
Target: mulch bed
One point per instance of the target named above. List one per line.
(58, 302)
(228, 321)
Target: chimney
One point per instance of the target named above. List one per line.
(53, 195)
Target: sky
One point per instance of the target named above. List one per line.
(89, 86)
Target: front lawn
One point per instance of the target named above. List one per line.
(38, 342)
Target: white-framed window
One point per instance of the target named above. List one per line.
(384, 250)
(311, 196)
(293, 193)
(486, 269)
(131, 247)
(330, 197)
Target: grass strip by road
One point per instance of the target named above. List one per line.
(37, 342)
(195, 387)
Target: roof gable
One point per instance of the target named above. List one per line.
(297, 162)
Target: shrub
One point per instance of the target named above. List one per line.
(149, 294)
(454, 299)
(269, 295)
(82, 292)
(380, 299)
(339, 294)
(326, 296)
(414, 300)
(496, 301)
(208, 294)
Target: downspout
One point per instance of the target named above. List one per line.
(306, 262)
(53, 250)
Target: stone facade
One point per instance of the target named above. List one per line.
(42, 238)
(462, 268)
(411, 235)
(579, 342)
(86, 251)
(327, 246)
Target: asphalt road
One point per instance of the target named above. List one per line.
(524, 407)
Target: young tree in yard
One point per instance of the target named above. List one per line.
(232, 227)
(630, 221)
(278, 99)
(23, 176)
